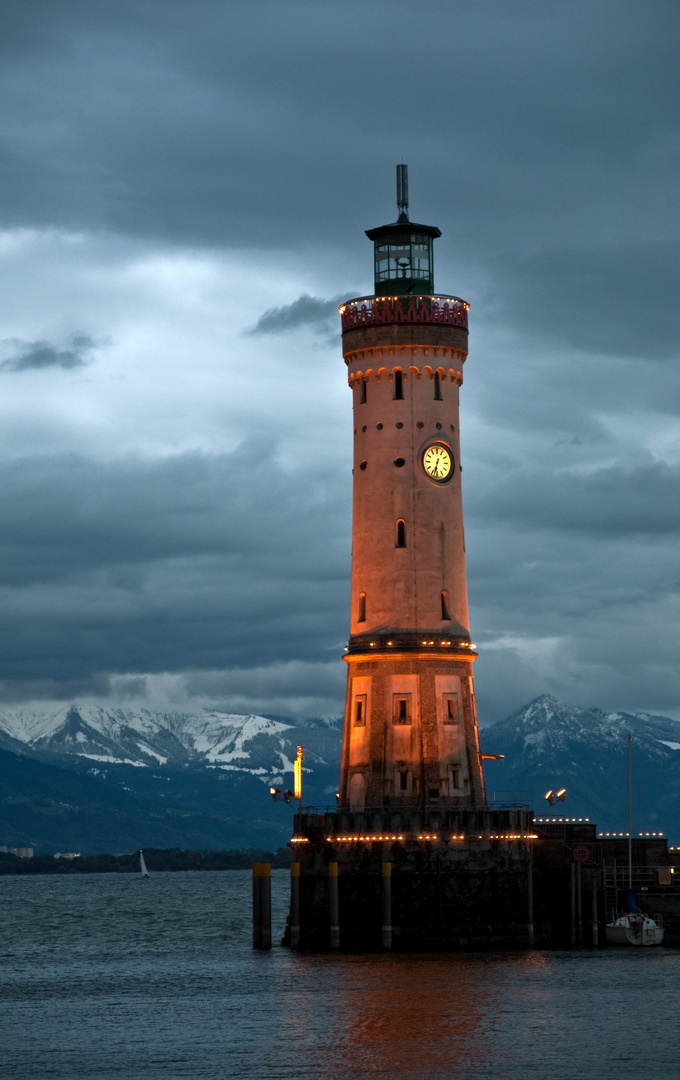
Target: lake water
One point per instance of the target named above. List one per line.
(111, 976)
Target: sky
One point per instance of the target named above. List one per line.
(183, 197)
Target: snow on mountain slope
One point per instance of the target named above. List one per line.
(550, 744)
(264, 747)
(548, 727)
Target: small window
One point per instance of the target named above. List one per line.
(362, 392)
(446, 614)
(403, 780)
(401, 708)
(398, 385)
(451, 712)
(400, 462)
(437, 388)
(360, 710)
(433, 794)
(454, 779)
(401, 534)
(362, 607)
(363, 465)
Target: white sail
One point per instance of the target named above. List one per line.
(142, 865)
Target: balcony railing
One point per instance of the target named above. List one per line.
(386, 310)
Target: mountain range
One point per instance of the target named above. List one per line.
(92, 779)
(549, 745)
(154, 779)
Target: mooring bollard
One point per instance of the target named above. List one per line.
(334, 904)
(262, 906)
(295, 905)
(387, 905)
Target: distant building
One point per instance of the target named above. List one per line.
(21, 852)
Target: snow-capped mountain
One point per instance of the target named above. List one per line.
(198, 779)
(257, 745)
(550, 744)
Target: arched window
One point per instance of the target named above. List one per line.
(437, 388)
(445, 605)
(362, 607)
(398, 385)
(401, 534)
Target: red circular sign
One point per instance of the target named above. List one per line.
(582, 853)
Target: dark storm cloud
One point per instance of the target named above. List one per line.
(606, 502)
(305, 311)
(34, 355)
(546, 152)
(196, 562)
(542, 139)
(242, 124)
(619, 299)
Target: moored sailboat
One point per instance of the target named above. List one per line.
(633, 926)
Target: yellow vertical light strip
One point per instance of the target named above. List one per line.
(298, 773)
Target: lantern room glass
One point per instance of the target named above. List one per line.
(403, 264)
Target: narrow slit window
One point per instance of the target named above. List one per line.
(446, 614)
(362, 392)
(437, 388)
(362, 607)
(451, 713)
(401, 533)
(398, 385)
(401, 709)
(360, 711)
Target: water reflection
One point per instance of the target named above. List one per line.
(411, 1016)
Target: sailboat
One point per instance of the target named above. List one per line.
(632, 927)
(142, 864)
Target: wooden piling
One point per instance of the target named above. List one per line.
(387, 905)
(295, 905)
(572, 913)
(262, 906)
(596, 928)
(257, 907)
(334, 904)
(530, 898)
(579, 906)
(266, 905)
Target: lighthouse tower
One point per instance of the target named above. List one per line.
(410, 735)
(412, 856)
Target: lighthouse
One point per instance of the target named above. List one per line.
(410, 729)
(412, 856)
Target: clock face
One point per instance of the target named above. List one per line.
(437, 462)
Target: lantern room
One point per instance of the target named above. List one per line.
(403, 252)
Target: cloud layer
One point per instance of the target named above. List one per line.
(191, 188)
